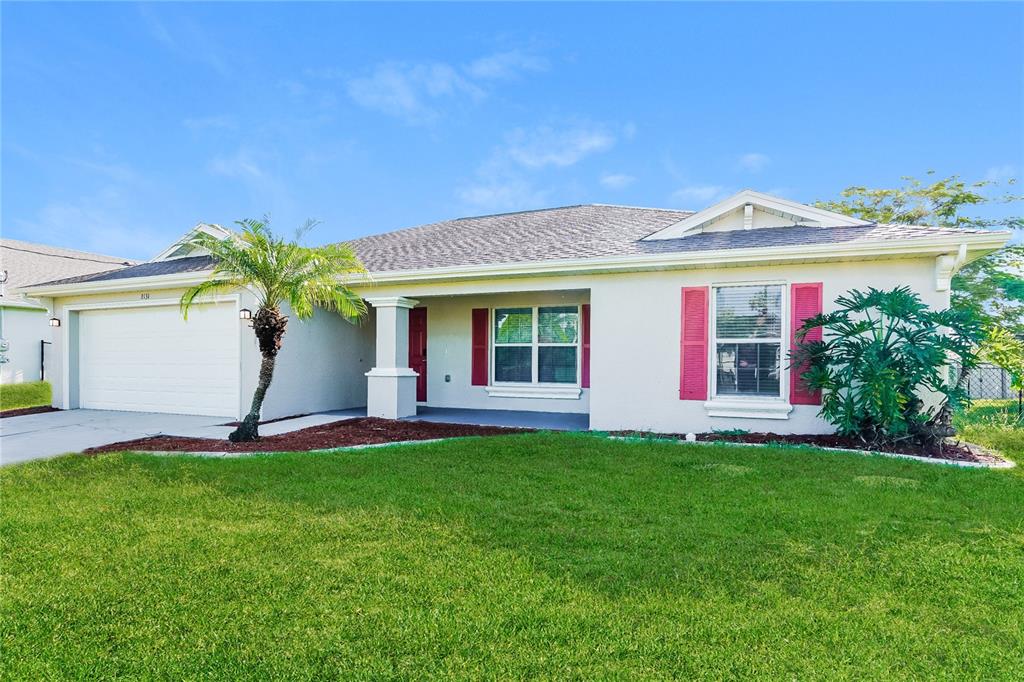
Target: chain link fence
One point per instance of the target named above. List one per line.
(991, 390)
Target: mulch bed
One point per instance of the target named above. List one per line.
(28, 410)
(362, 431)
(954, 450)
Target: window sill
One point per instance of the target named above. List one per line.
(533, 391)
(750, 408)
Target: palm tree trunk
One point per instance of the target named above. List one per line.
(269, 325)
(249, 429)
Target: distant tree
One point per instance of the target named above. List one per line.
(1005, 350)
(276, 271)
(991, 287)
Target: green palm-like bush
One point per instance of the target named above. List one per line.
(276, 271)
(889, 368)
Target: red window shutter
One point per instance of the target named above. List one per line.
(693, 344)
(805, 302)
(585, 379)
(481, 320)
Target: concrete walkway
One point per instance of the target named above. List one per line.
(48, 434)
(552, 421)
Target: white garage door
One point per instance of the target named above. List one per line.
(149, 359)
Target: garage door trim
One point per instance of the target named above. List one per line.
(140, 303)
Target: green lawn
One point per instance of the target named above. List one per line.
(31, 394)
(539, 555)
(994, 424)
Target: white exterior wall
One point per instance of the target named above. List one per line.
(23, 329)
(320, 366)
(635, 330)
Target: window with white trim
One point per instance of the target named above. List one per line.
(536, 345)
(748, 341)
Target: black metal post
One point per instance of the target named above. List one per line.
(42, 359)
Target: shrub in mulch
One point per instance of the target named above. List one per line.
(21, 411)
(361, 431)
(953, 450)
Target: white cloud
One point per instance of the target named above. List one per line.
(220, 122)
(700, 196)
(505, 65)
(1001, 174)
(617, 180)
(410, 91)
(507, 181)
(241, 164)
(493, 194)
(416, 91)
(100, 223)
(186, 39)
(753, 162)
(546, 146)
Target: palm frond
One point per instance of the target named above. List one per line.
(278, 271)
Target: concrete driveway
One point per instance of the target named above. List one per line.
(39, 436)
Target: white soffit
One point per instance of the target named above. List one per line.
(800, 214)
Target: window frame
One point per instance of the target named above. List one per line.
(535, 345)
(783, 340)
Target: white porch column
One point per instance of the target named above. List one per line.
(391, 384)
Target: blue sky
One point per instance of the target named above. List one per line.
(124, 125)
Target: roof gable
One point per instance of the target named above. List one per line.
(182, 249)
(749, 210)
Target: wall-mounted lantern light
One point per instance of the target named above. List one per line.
(54, 321)
(245, 314)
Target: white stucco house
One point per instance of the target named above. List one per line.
(640, 318)
(25, 333)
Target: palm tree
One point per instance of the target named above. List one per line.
(276, 271)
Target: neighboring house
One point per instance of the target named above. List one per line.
(24, 322)
(643, 318)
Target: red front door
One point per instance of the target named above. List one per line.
(418, 350)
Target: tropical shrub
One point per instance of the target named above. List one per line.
(889, 368)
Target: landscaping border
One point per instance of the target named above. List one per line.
(234, 455)
(1002, 464)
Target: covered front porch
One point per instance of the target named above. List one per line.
(496, 358)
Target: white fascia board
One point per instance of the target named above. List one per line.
(174, 281)
(978, 244)
(694, 222)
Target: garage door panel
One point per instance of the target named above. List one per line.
(150, 360)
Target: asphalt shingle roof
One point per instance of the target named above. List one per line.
(28, 263)
(569, 232)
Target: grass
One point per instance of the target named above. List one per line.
(29, 394)
(539, 555)
(994, 424)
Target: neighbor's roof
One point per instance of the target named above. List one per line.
(28, 263)
(569, 232)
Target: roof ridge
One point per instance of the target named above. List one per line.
(644, 208)
(424, 226)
